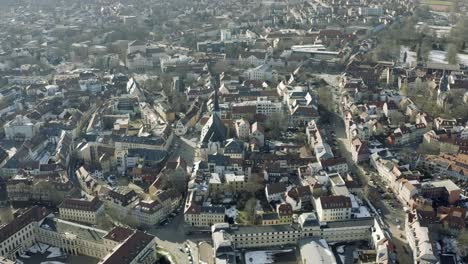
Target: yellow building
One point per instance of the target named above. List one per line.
(82, 211)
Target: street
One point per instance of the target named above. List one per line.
(172, 238)
(389, 209)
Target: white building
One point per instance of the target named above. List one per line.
(333, 208)
(419, 241)
(262, 73)
(242, 128)
(21, 128)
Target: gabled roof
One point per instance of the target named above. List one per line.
(217, 131)
(234, 146)
(275, 188)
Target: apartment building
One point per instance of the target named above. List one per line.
(333, 208)
(47, 188)
(82, 211)
(152, 212)
(455, 166)
(121, 201)
(262, 106)
(445, 189)
(204, 216)
(148, 212)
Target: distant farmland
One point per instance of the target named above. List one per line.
(438, 5)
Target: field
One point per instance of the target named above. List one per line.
(436, 3)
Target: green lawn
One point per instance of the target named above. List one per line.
(243, 218)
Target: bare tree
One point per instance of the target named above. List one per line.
(452, 53)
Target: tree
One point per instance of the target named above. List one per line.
(276, 124)
(404, 89)
(462, 240)
(396, 118)
(220, 66)
(428, 149)
(426, 48)
(326, 98)
(451, 54)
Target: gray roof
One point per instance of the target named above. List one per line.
(217, 131)
(148, 154)
(219, 159)
(234, 146)
(213, 209)
(138, 140)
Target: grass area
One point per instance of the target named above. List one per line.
(437, 2)
(243, 218)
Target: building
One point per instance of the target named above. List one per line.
(307, 226)
(20, 234)
(263, 72)
(313, 250)
(455, 166)
(82, 211)
(242, 129)
(359, 150)
(138, 248)
(333, 208)
(419, 241)
(152, 212)
(262, 106)
(213, 134)
(120, 245)
(275, 191)
(21, 128)
(204, 216)
(445, 189)
(45, 189)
